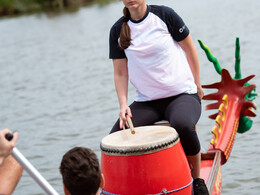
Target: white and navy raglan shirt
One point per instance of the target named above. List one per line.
(157, 66)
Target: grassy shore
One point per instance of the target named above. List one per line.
(17, 7)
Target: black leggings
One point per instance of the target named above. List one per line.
(182, 111)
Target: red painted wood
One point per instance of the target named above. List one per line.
(148, 173)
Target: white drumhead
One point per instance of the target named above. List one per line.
(146, 139)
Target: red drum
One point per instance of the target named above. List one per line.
(151, 161)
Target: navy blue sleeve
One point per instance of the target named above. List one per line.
(174, 22)
(115, 52)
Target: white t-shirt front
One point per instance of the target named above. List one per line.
(157, 66)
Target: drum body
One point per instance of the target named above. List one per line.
(151, 161)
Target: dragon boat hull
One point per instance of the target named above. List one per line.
(211, 172)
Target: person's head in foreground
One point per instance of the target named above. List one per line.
(81, 172)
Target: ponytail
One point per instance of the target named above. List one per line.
(125, 33)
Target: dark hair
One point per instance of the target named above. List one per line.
(125, 33)
(80, 171)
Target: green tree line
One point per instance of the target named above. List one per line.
(14, 7)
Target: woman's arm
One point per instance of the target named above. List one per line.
(121, 84)
(192, 57)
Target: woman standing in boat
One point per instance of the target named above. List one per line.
(152, 47)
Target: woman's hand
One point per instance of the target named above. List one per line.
(200, 92)
(6, 146)
(124, 110)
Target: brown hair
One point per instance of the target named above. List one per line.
(125, 33)
(80, 171)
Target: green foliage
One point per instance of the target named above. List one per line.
(8, 7)
(103, 2)
(12, 7)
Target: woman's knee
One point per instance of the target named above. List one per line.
(183, 127)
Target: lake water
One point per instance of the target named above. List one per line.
(57, 88)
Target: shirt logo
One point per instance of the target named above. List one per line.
(182, 29)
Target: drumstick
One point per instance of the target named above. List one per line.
(129, 121)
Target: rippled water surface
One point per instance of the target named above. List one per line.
(57, 90)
